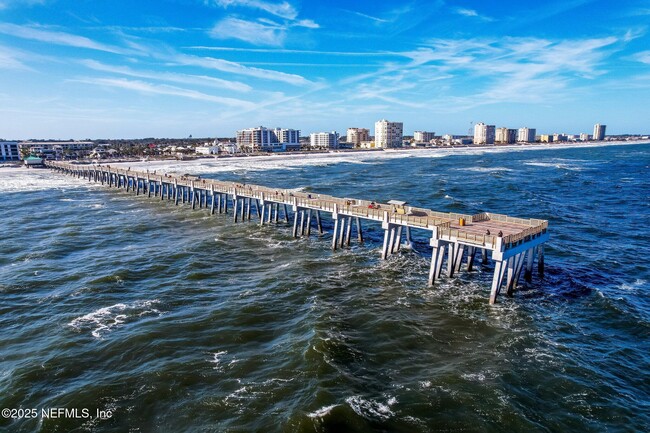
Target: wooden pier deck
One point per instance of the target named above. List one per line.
(512, 242)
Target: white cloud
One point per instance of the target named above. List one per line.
(200, 80)
(472, 14)
(56, 38)
(144, 87)
(253, 32)
(280, 9)
(9, 59)
(6, 4)
(237, 68)
(643, 57)
(261, 31)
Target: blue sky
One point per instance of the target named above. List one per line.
(171, 68)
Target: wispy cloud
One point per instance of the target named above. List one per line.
(281, 9)
(149, 88)
(200, 80)
(56, 38)
(643, 57)
(288, 51)
(12, 59)
(237, 68)
(256, 33)
(472, 14)
(6, 4)
(471, 72)
(259, 31)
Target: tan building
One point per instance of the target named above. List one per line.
(599, 132)
(423, 136)
(505, 136)
(356, 136)
(545, 138)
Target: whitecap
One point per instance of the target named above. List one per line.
(371, 408)
(103, 320)
(320, 413)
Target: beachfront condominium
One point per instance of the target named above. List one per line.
(423, 136)
(526, 135)
(585, 137)
(505, 136)
(484, 134)
(324, 140)
(599, 132)
(356, 136)
(388, 134)
(266, 139)
(9, 151)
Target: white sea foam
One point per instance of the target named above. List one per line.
(217, 360)
(637, 284)
(484, 169)
(22, 179)
(371, 408)
(320, 413)
(102, 321)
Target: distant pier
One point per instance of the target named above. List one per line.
(513, 243)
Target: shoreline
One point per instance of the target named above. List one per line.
(11, 167)
(379, 153)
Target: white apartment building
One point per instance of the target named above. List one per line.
(599, 132)
(57, 149)
(9, 151)
(526, 135)
(290, 138)
(265, 139)
(423, 136)
(356, 136)
(505, 136)
(324, 140)
(484, 134)
(388, 134)
(585, 137)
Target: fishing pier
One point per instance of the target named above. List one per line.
(512, 243)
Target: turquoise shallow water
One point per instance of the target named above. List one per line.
(175, 320)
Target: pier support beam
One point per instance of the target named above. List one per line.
(497, 279)
(437, 257)
(530, 258)
(471, 252)
(359, 232)
(319, 223)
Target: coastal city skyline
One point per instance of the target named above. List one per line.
(208, 68)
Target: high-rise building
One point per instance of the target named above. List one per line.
(599, 132)
(9, 151)
(265, 139)
(526, 135)
(288, 137)
(505, 136)
(388, 134)
(484, 134)
(324, 140)
(356, 136)
(423, 136)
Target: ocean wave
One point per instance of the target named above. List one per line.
(323, 411)
(24, 180)
(371, 409)
(104, 320)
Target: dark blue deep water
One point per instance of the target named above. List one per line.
(173, 320)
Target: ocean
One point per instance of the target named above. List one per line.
(128, 314)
